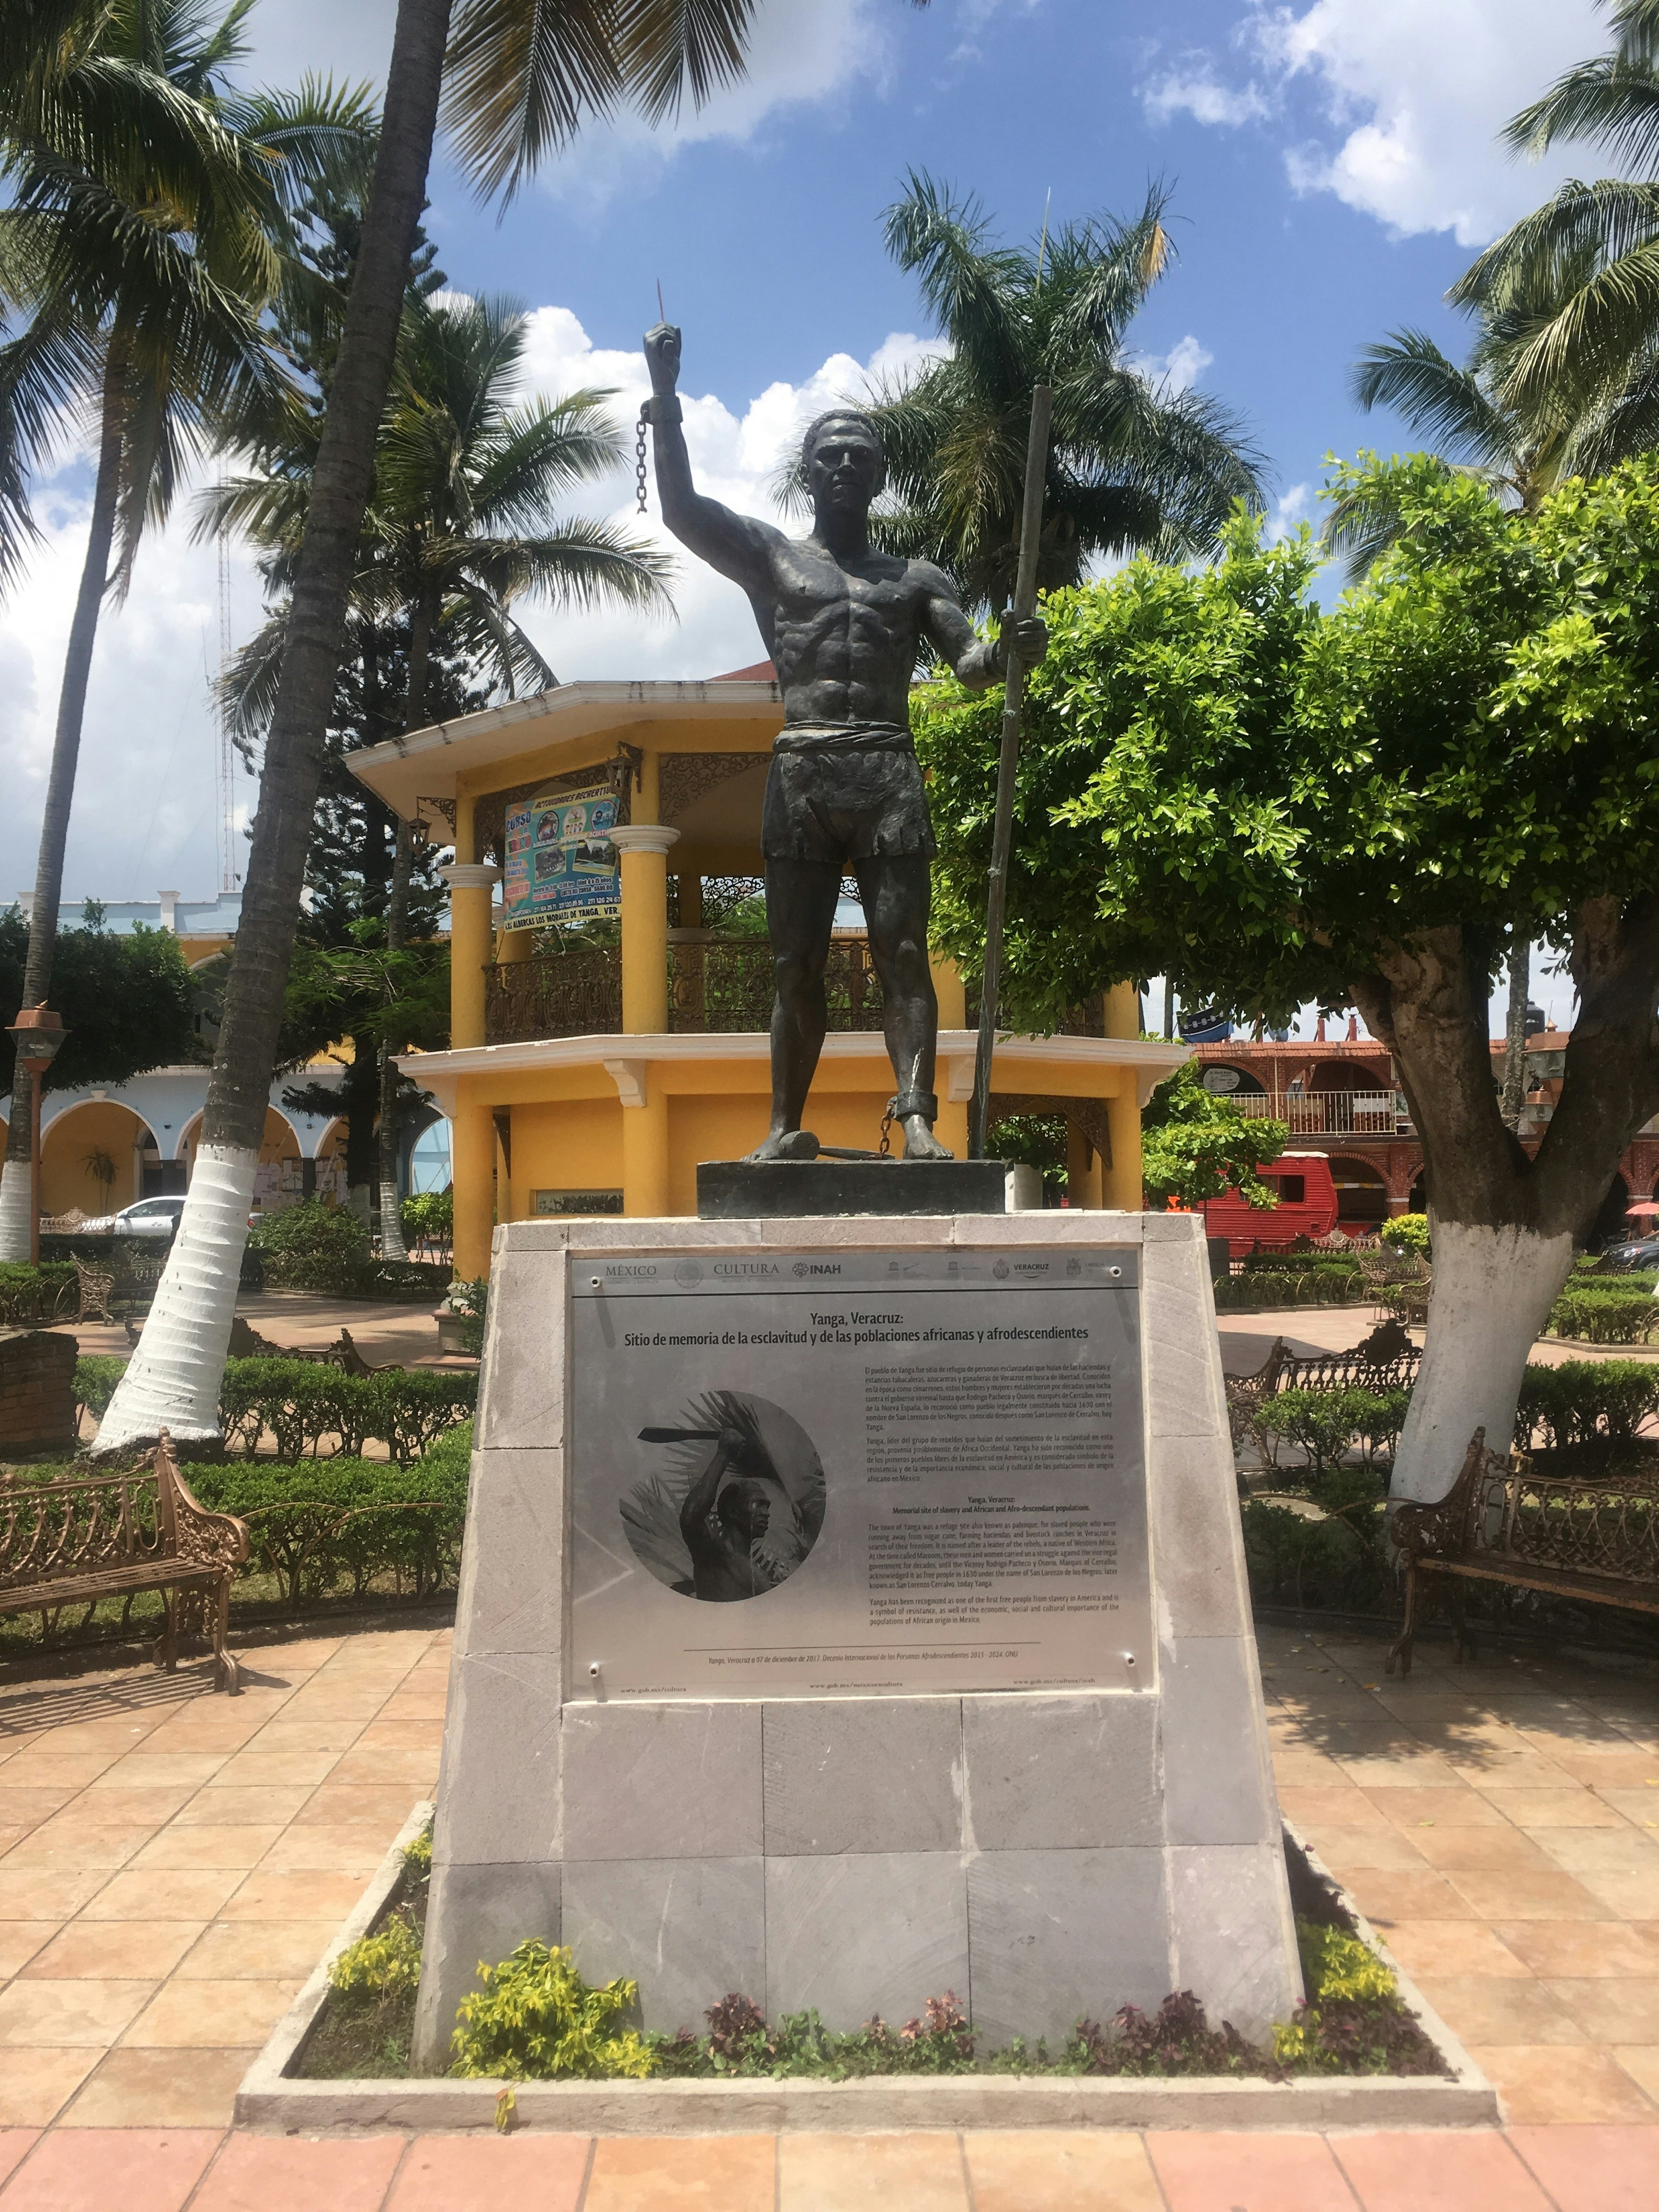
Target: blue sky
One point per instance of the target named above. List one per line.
(1332, 165)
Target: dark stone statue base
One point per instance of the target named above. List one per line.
(741, 1191)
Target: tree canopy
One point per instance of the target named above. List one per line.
(1196, 1145)
(128, 1002)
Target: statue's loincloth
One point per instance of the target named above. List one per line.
(844, 790)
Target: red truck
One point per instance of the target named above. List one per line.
(1307, 1206)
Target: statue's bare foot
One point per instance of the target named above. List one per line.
(786, 1144)
(921, 1143)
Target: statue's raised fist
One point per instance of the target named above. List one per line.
(662, 356)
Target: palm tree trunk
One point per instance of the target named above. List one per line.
(397, 928)
(1515, 1032)
(15, 1195)
(173, 1380)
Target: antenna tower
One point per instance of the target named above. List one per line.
(229, 874)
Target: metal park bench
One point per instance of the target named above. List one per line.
(1594, 1538)
(95, 1285)
(90, 1537)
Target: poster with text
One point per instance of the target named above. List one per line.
(818, 1474)
(561, 863)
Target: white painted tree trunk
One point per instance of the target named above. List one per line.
(1493, 1289)
(14, 1212)
(172, 1381)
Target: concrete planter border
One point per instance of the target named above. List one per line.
(272, 2099)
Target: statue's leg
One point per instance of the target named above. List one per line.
(896, 893)
(800, 913)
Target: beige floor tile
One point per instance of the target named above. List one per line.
(153, 1807)
(381, 1769)
(1577, 1808)
(1502, 1894)
(257, 1950)
(1639, 1807)
(1448, 1947)
(1046, 2170)
(39, 1768)
(834, 2173)
(143, 2088)
(242, 1845)
(165, 1893)
(1623, 1850)
(1611, 1770)
(1625, 2011)
(68, 1841)
(283, 1736)
(36, 2014)
(380, 1809)
(1496, 1777)
(27, 1808)
(35, 2085)
(1482, 1849)
(1386, 1897)
(118, 1950)
(425, 1705)
(1412, 1809)
(1580, 1950)
(1552, 2087)
(1305, 1768)
(354, 1851)
(48, 1893)
(146, 1770)
(202, 2014)
(1504, 2008)
(1423, 1770)
(386, 1734)
(77, 1739)
(1347, 1850)
(257, 1809)
(1632, 1893)
(20, 1940)
(253, 1770)
(1641, 2062)
(293, 1897)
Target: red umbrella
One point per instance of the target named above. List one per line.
(1643, 1206)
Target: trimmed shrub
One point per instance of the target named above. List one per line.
(1407, 1232)
(1612, 1312)
(535, 2018)
(34, 1294)
(96, 1374)
(1329, 1424)
(1582, 1399)
(312, 1246)
(334, 1522)
(303, 1401)
(1280, 1282)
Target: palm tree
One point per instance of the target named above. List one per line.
(143, 239)
(1132, 466)
(1592, 250)
(523, 77)
(459, 526)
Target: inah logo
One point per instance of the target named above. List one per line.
(817, 1268)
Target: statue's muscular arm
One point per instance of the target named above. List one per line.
(977, 661)
(738, 545)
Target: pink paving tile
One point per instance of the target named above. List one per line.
(1249, 2173)
(491, 2173)
(88, 2169)
(1594, 2169)
(14, 2142)
(1438, 2172)
(281, 2174)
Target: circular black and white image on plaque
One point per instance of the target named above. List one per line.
(733, 1501)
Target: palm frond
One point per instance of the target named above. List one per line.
(1409, 372)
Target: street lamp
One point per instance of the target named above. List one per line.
(37, 1034)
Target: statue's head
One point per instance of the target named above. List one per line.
(841, 459)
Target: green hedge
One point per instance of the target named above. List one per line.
(1582, 1399)
(1329, 1423)
(1610, 1312)
(302, 1403)
(29, 1294)
(1259, 1286)
(344, 1521)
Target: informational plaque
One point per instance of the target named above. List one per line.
(811, 1474)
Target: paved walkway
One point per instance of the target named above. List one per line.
(173, 1863)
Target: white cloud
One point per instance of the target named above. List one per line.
(1177, 371)
(145, 801)
(1291, 510)
(1201, 94)
(1409, 97)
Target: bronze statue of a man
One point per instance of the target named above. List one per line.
(844, 626)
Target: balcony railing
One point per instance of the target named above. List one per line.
(1327, 1113)
(715, 985)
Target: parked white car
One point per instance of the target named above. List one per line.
(151, 1217)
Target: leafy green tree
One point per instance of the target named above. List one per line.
(1130, 465)
(129, 1002)
(1275, 804)
(144, 236)
(1195, 1146)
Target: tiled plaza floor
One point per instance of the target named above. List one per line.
(173, 1863)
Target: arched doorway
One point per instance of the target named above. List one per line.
(1418, 1202)
(1362, 1195)
(1610, 1225)
(92, 1159)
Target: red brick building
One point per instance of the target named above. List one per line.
(1340, 1099)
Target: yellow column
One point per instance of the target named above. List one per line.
(511, 945)
(644, 849)
(471, 885)
(951, 1127)
(644, 1137)
(1123, 1010)
(472, 1166)
(1083, 1169)
(1121, 1184)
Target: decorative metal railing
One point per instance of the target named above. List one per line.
(561, 991)
(715, 985)
(1327, 1113)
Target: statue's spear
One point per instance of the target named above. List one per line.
(1013, 702)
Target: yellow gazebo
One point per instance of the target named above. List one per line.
(593, 1077)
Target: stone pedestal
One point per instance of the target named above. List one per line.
(1044, 1853)
(802, 1190)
